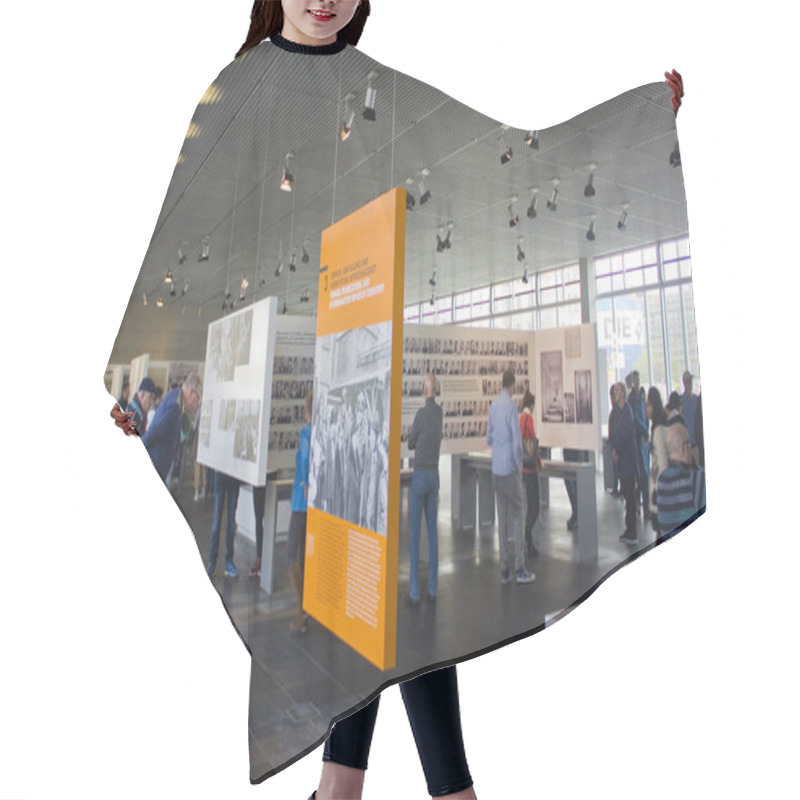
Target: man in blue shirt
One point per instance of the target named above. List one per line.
(164, 432)
(296, 543)
(425, 438)
(504, 437)
(689, 404)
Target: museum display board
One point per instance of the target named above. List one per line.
(354, 481)
(235, 412)
(557, 366)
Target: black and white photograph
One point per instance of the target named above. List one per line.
(583, 396)
(572, 342)
(349, 470)
(552, 385)
(227, 414)
(205, 422)
(248, 415)
(569, 407)
(243, 333)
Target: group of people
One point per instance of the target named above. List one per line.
(350, 457)
(658, 455)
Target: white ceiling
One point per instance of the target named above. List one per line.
(273, 102)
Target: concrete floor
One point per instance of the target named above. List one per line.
(298, 684)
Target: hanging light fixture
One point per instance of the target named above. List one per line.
(424, 194)
(369, 103)
(532, 139)
(160, 302)
(622, 223)
(172, 291)
(287, 179)
(525, 274)
(144, 299)
(588, 190)
(590, 233)
(305, 295)
(675, 156)
(552, 201)
(293, 261)
(432, 280)
(433, 298)
(205, 249)
(520, 252)
(245, 284)
(168, 278)
(285, 309)
(444, 244)
(507, 153)
(534, 201)
(181, 255)
(349, 115)
(410, 201)
(305, 257)
(185, 288)
(514, 217)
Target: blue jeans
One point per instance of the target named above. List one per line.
(424, 494)
(224, 486)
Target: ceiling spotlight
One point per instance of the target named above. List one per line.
(534, 201)
(305, 295)
(520, 252)
(349, 114)
(424, 194)
(507, 153)
(588, 190)
(410, 201)
(224, 305)
(552, 201)
(590, 233)
(675, 156)
(144, 299)
(369, 103)
(160, 302)
(181, 255)
(285, 309)
(293, 262)
(205, 249)
(287, 179)
(514, 220)
(525, 274)
(168, 277)
(444, 244)
(432, 281)
(279, 269)
(172, 291)
(622, 223)
(532, 139)
(305, 257)
(245, 282)
(433, 298)
(185, 288)
(227, 293)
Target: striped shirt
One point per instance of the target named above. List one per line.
(680, 494)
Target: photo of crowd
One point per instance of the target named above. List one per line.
(349, 470)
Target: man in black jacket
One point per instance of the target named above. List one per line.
(425, 439)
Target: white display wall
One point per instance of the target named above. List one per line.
(292, 378)
(558, 366)
(235, 413)
(567, 412)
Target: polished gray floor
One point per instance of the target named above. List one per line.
(299, 683)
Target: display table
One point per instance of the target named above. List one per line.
(473, 473)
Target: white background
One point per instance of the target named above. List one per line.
(121, 675)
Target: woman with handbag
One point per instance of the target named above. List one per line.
(531, 464)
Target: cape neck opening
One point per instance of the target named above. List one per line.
(308, 49)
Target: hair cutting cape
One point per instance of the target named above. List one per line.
(335, 224)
